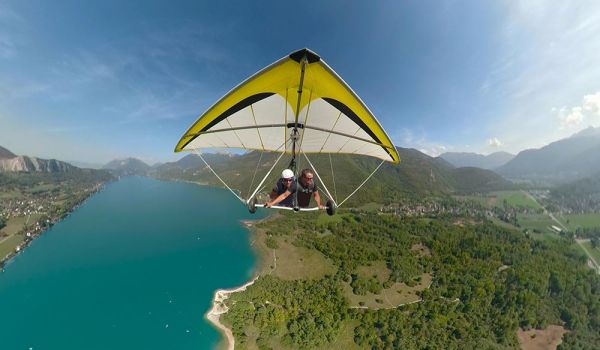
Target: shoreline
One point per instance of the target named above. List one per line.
(218, 303)
(4, 261)
(219, 308)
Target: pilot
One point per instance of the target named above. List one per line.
(283, 190)
(306, 187)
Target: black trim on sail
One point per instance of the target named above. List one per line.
(235, 108)
(311, 57)
(350, 114)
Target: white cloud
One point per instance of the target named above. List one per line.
(409, 139)
(494, 142)
(583, 115)
(546, 57)
(591, 104)
(434, 150)
(573, 119)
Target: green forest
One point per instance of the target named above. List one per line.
(488, 282)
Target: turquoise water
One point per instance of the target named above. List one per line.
(135, 267)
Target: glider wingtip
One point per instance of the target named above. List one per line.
(310, 55)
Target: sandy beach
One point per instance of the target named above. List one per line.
(220, 308)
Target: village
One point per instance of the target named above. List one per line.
(24, 215)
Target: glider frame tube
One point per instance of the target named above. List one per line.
(288, 208)
(289, 125)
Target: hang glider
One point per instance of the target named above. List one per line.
(296, 105)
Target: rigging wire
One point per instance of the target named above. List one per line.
(218, 177)
(254, 175)
(333, 178)
(361, 185)
(318, 177)
(268, 173)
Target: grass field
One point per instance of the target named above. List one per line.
(10, 195)
(289, 262)
(378, 270)
(40, 188)
(397, 294)
(538, 339)
(515, 199)
(540, 222)
(9, 244)
(575, 221)
(16, 224)
(12, 239)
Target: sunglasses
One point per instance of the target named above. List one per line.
(288, 180)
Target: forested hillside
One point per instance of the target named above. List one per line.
(487, 283)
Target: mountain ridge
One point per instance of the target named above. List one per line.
(6, 154)
(417, 174)
(561, 161)
(127, 166)
(470, 159)
(34, 164)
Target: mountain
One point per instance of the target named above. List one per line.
(417, 174)
(13, 163)
(85, 165)
(33, 164)
(127, 166)
(6, 154)
(468, 159)
(191, 161)
(477, 180)
(588, 132)
(559, 162)
(187, 165)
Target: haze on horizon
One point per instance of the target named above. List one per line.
(101, 80)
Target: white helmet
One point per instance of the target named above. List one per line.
(287, 174)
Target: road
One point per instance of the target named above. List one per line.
(594, 263)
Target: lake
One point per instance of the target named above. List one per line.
(135, 267)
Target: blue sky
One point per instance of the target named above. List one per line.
(98, 80)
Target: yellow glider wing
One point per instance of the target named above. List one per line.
(261, 112)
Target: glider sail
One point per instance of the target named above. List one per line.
(261, 112)
(296, 105)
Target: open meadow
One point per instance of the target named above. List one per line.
(575, 221)
(13, 235)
